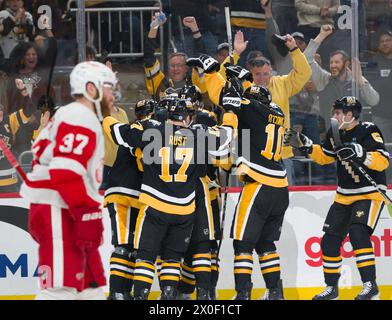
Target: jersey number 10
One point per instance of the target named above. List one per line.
(273, 149)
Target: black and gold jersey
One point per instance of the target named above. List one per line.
(8, 129)
(205, 117)
(173, 158)
(125, 178)
(209, 119)
(352, 186)
(260, 140)
(247, 14)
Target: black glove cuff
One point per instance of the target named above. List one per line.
(8, 25)
(306, 150)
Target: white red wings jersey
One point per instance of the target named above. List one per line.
(73, 140)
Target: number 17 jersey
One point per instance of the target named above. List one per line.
(173, 159)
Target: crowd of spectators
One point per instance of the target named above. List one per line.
(29, 42)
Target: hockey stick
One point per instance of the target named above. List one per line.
(223, 210)
(48, 87)
(12, 160)
(228, 31)
(338, 143)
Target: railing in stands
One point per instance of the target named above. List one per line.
(118, 32)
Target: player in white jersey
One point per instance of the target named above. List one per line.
(63, 189)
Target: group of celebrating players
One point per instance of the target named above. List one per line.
(163, 190)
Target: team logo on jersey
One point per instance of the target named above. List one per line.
(79, 276)
(206, 232)
(7, 143)
(359, 214)
(377, 137)
(351, 101)
(99, 172)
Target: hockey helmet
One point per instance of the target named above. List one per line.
(161, 108)
(191, 93)
(349, 103)
(180, 109)
(166, 102)
(144, 108)
(259, 93)
(95, 72)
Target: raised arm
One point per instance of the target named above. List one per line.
(320, 77)
(152, 67)
(301, 72)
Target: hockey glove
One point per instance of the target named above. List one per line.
(351, 151)
(88, 227)
(233, 71)
(231, 98)
(204, 62)
(297, 140)
(8, 25)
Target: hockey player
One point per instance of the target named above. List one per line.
(121, 199)
(168, 190)
(65, 205)
(264, 199)
(199, 268)
(357, 204)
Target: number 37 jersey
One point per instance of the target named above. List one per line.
(72, 143)
(174, 158)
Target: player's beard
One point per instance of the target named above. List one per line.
(107, 107)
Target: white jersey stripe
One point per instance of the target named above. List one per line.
(360, 190)
(269, 263)
(7, 172)
(201, 262)
(143, 271)
(332, 264)
(127, 191)
(170, 271)
(243, 264)
(163, 196)
(67, 164)
(121, 267)
(365, 257)
(120, 140)
(58, 250)
(277, 173)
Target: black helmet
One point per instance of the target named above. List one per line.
(180, 109)
(144, 108)
(191, 93)
(161, 108)
(172, 92)
(259, 93)
(166, 102)
(349, 103)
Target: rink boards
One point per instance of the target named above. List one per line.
(299, 249)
